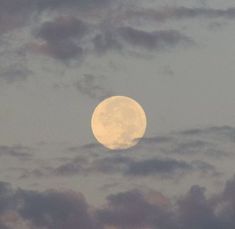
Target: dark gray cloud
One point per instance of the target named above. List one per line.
(47, 209)
(15, 13)
(61, 38)
(75, 35)
(127, 166)
(123, 39)
(153, 40)
(203, 144)
(2, 226)
(15, 73)
(16, 9)
(208, 141)
(56, 210)
(111, 164)
(196, 211)
(204, 167)
(62, 28)
(177, 13)
(86, 4)
(67, 38)
(106, 41)
(190, 146)
(222, 132)
(156, 140)
(130, 209)
(157, 166)
(78, 165)
(75, 167)
(168, 167)
(69, 45)
(7, 199)
(17, 151)
(178, 153)
(69, 169)
(91, 86)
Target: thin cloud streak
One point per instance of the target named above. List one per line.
(179, 13)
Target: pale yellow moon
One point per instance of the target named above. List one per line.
(118, 122)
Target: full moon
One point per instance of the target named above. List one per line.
(118, 122)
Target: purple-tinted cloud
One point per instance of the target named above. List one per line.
(130, 209)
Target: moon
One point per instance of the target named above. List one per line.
(118, 122)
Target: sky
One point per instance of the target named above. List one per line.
(59, 59)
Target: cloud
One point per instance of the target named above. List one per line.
(210, 142)
(157, 166)
(193, 210)
(107, 40)
(17, 151)
(177, 13)
(222, 132)
(7, 199)
(196, 211)
(182, 152)
(152, 40)
(67, 38)
(78, 165)
(168, 167)
(193, 151)
(127, 38)
(62, 28)
(133, 210)
(156, 140)
(15, 13)
(126, 166)
(61, 38)
(91, 86)
(47, 209)
(204, 167)
(14, 73)
(56, 210)
(76, 35)
(45, 4)
(138, 208)
(190, 146)
(110, 164)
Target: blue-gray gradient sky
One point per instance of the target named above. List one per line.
(59, 59)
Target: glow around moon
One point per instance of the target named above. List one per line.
(118, 122)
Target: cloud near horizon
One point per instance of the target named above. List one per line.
(130, 209)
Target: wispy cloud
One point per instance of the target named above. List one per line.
(14, 73)
(91, 86)
(179, 13)
(17, 151)
(126, 166)
(69, 38)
